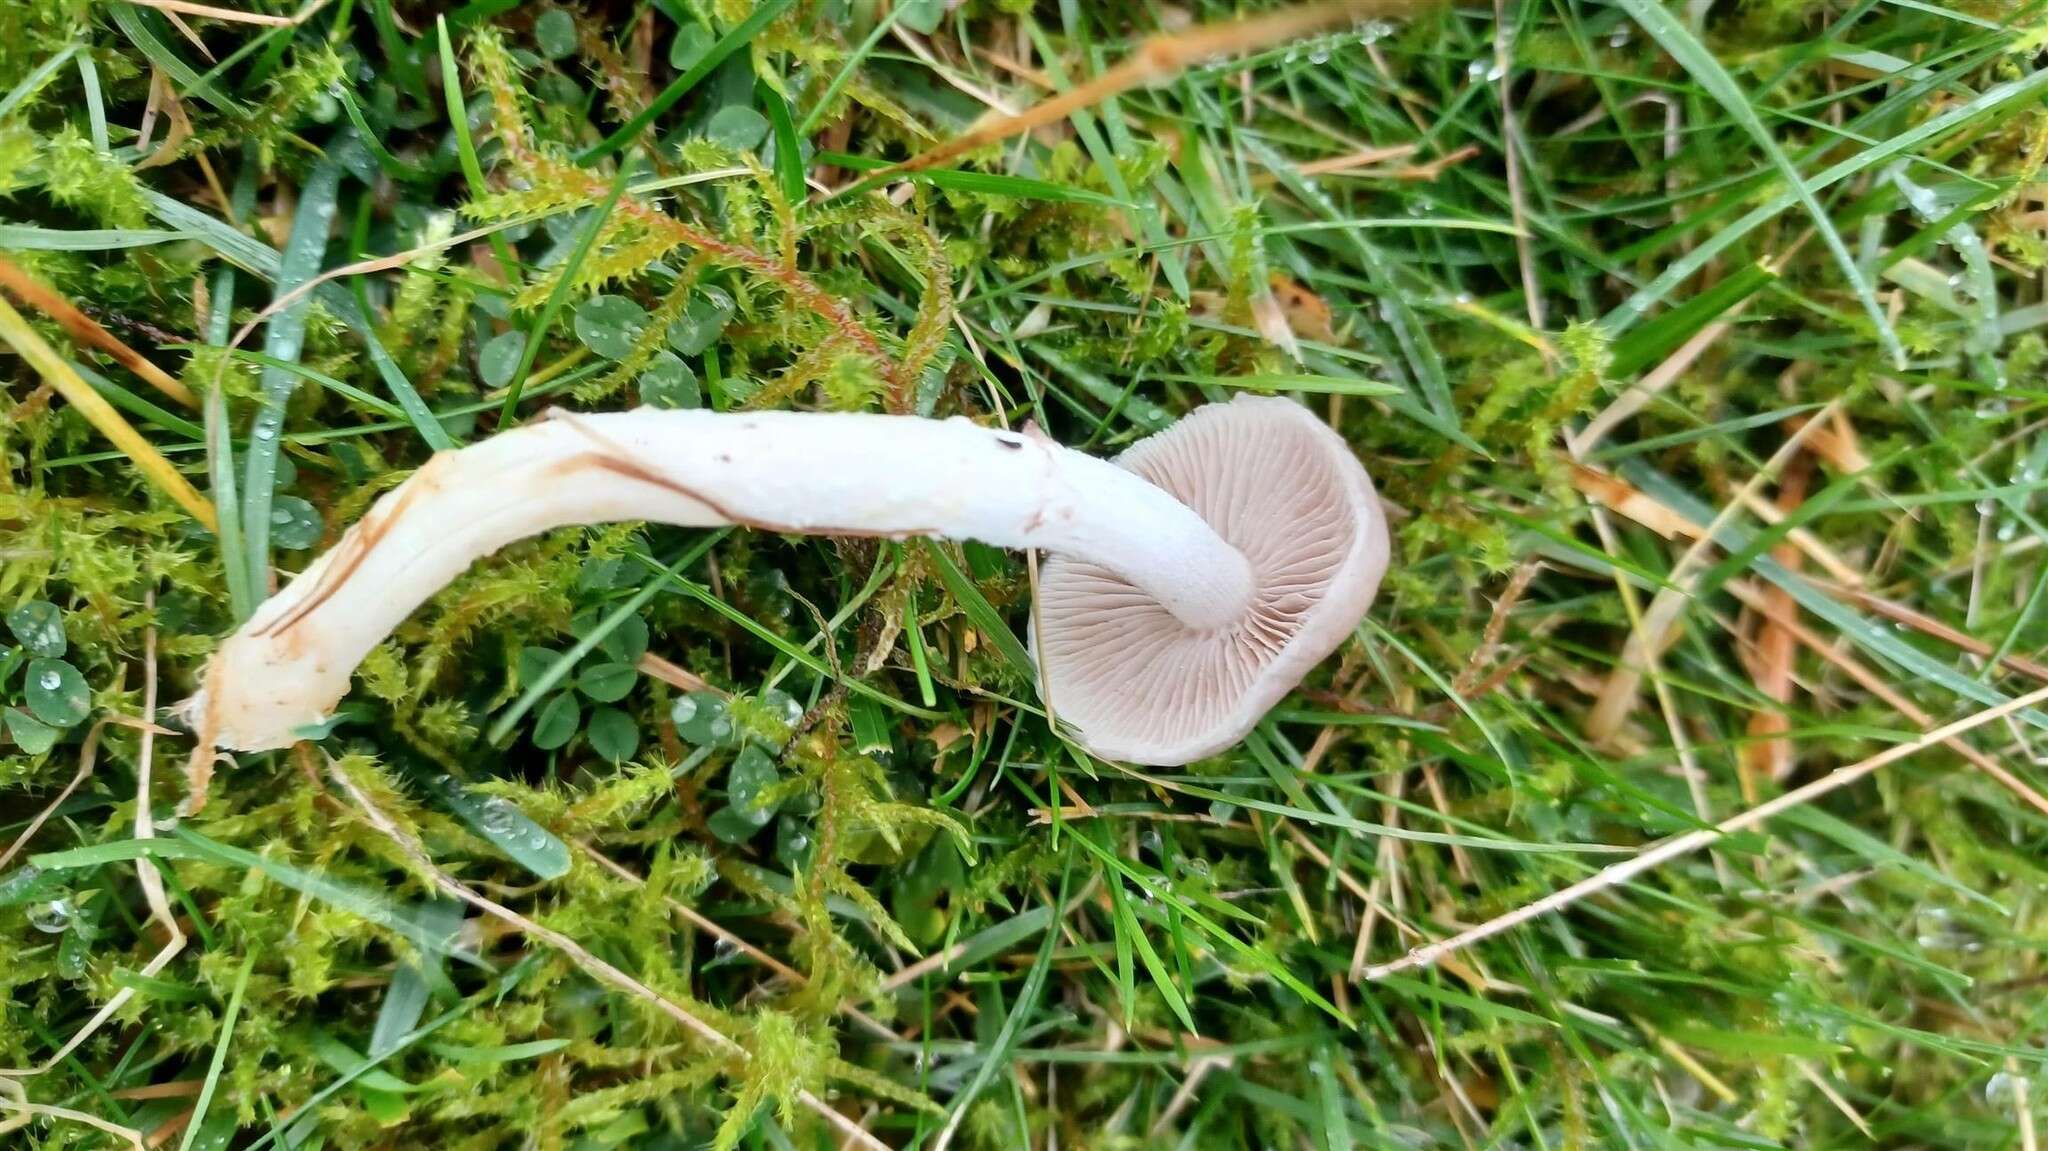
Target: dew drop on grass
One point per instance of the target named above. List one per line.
(498, 817)
(1373, 31)
(54, 917)
(51, 681)
(2003, 1088)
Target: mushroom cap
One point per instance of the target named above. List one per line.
(1284, 489)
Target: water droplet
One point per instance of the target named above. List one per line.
(1923, 201)
(1936, 930)
(2003, 1088)
(266, 432)
(684, 711)
(280, 516)
(798, 841)
(1498, 70)
(54, 917)
(1319, 56)
(1476, 69)
(1373, 31)
(721, 729)
(1620, 36)
(725, 947)
(784, 706)
(498, 817)
(51, 680)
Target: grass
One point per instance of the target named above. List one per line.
(1683, 788)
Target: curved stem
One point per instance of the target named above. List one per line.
(836, 474)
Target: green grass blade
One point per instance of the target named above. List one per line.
(586, 242)
(283, 337)
(219, 1062)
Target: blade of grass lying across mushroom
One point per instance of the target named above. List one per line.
(1188, 590)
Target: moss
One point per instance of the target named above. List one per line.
(1452, 775)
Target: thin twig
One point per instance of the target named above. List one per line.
(711, 927)
(232, 15)
(14, 1098)
(1692, 841)
(87, 330)
(674, 675)
(15, 330)
(1647, 640)
(589, 963)
(1827, 1090)
(88, 755)
(1929, 626)
(1762, 604)
(1155, 61)
(152, 885)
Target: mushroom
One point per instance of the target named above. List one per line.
(1191, 583)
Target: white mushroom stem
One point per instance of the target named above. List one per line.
(837, 474)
